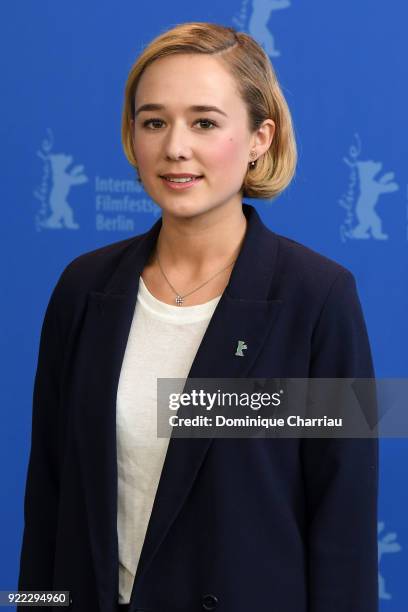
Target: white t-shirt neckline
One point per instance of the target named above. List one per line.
(175, 314)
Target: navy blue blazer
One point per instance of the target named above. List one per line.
(237, 525)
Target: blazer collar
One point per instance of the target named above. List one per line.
(250, 278)
(244, 312)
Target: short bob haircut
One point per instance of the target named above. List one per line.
(257, 85)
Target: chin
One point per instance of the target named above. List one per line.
(184, 210)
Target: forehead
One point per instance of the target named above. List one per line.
(200, 78)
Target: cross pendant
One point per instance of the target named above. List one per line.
(179, 300)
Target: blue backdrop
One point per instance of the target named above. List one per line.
(67, 187)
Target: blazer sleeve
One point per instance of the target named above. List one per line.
(341, 474)
(42, 482)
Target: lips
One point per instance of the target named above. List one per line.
(182, 185)
(180, 175)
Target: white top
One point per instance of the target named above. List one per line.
(162, 343)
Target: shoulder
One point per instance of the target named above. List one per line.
(91, 270)
(305, 260)
(321, 295)
(304, 273)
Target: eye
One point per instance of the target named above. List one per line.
(146, 123)
(207, 121)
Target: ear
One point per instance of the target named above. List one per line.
(264, 136)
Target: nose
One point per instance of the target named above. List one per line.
(176, 144)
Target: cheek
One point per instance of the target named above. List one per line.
(144, 154)
(228, 153)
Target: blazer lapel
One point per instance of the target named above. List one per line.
(243, 313)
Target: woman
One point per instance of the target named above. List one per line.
(114, 514)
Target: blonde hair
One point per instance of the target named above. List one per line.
(256, 83)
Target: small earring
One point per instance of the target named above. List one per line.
(252, 163)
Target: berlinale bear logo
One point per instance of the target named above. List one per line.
(366, 186)
(55, 211)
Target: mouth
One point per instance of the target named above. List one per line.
(180, 177)
(181, 182)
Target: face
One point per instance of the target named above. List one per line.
(214, 144)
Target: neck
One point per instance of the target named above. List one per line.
(197, 246)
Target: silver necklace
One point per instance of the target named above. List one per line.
(180, 298)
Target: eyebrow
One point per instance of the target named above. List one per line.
(199, 108)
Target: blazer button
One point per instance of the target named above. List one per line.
(209, 602)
